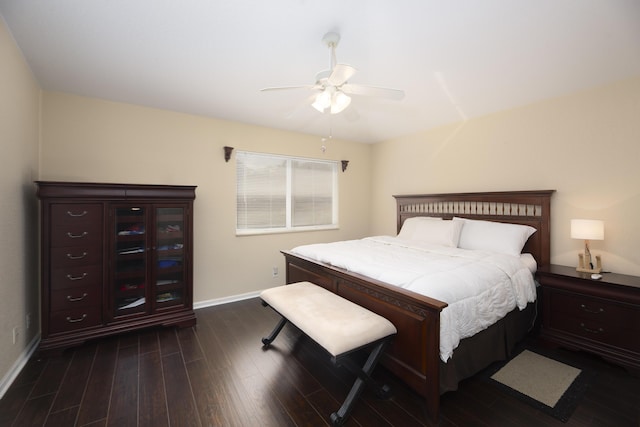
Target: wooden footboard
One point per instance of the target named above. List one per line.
(414, 353)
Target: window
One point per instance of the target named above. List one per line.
(281, 193)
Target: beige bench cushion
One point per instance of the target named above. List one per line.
(335, 323)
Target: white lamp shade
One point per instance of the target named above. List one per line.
(323, 101)
(587, 229)
(340, 102)
(333, 99)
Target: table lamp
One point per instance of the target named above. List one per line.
(587, 229)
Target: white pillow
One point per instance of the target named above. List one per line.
(443, 233)
(530, 262)
(493, 236)
(409, 226)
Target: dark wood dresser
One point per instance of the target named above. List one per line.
(600, 316)
(114, 258)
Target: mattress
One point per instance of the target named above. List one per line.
(480, 287)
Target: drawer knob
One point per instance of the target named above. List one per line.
(83, 213)
(76, 236)
(74, 299)
(70, 320)
(70, 256)
(592, 331)
(70, 277)
(588, 310)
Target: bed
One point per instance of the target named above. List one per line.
(414, 355)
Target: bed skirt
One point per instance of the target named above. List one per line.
(494, 344)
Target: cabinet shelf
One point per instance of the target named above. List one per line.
(175, 235)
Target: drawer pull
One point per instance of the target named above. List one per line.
(70, 277)
(84, 254)
(72, 299)
(588, 310)
(77, 236)
(592, 331)
(83, 213)
(70, 320)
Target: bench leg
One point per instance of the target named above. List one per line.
(268, 340)
(364, 377)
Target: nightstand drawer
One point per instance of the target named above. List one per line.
(606, 332)
(596, 310)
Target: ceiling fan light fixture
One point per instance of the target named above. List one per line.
(323, 101)
(334, 87)
(339, 102)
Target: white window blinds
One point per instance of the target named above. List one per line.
(280, 193)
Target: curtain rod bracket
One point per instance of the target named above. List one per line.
(227, 153)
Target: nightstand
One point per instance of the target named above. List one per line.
(598, 316)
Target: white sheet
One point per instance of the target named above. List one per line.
(480, 287)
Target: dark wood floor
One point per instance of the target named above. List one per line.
(217, 374)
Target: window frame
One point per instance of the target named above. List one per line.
(289, 227)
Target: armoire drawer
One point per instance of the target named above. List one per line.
(74, 214)
(76, 256)
(79, 297)
(73, 277)
(76, 235)
(70, 320)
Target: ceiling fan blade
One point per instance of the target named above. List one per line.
(381, 92)
(340, 74)
(286, 88)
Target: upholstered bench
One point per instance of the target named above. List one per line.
(337, 325)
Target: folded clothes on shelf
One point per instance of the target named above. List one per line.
(130, 287)
(171, 228)
(135, 303)
(132, 229)
(170, 247)
(168, 263)
(132, 250)
(167, 296)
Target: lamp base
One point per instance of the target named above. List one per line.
(583, 267)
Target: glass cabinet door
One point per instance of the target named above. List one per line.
(169, 265)
(130, 267)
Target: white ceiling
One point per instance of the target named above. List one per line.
(454, 59)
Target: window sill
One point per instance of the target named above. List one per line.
(261, 231)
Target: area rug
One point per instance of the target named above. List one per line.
(547, 384)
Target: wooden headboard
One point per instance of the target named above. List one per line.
(531, 208)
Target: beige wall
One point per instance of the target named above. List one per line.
(19, 133)
(88, 139)
(586, 146)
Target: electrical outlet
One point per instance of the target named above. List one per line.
(16, 332)
(275, 272)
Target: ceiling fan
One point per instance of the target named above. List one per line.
(333, 87)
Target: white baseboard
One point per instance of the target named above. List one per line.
(15, 370)
(225, 300)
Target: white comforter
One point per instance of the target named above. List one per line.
(479, 287)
